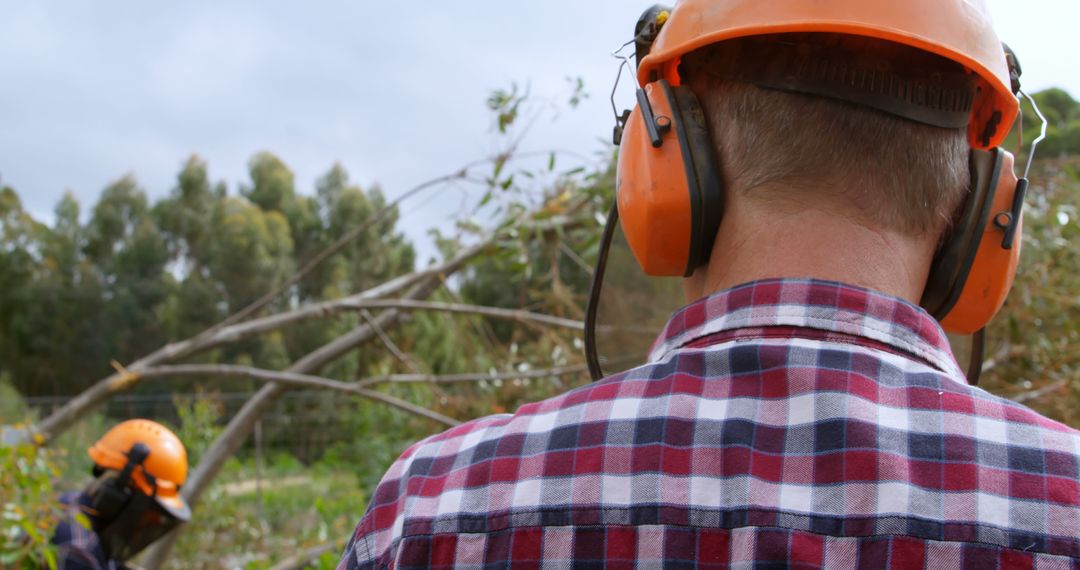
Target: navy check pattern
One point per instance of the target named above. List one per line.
(78, 547)
(783, 423)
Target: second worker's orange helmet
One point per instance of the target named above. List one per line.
(161, 474)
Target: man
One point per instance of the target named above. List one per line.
(818, 170)
(134, 499)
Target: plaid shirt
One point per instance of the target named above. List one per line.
(78, 547)
(782, 423)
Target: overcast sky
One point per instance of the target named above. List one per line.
(395, 91)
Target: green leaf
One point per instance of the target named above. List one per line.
(50, 558)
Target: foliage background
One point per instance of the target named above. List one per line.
(118, 278)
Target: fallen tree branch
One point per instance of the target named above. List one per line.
(496, 312)
(1003, 355)
(299, 380)
(1036, 394)
(389, 343)
(294, 380)
(242, 424)
(93, 397)
(459, 174)
(475, 377)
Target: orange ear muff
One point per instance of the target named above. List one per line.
(671, 199)
(974, 269)
(668, 185)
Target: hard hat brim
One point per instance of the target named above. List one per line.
(175, 506)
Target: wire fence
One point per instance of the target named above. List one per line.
(303, 424)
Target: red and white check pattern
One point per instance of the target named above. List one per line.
(779, 422)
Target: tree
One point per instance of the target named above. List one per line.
(183, 215)
(19, 235)
(248, 251)
(131, 256)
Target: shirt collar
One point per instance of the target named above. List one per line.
(813, 304)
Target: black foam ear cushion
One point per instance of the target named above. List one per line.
(702, 172)
(951, 265)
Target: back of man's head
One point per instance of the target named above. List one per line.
(793, 149)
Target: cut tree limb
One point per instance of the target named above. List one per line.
(478, 377)
(95, 396)
(294, 380)
(242, 424)
(459, 174)
(1039, 393)
(496, 312)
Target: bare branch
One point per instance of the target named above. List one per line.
(389, 343)
(576, 258)
(460, 174)
(71, 412)
(294, 380)
(93, 397)
(1036, 394)
(298, 380)
(242, 424)
(329, 308)
(496, 312)
(1004, 354)
(474, 377)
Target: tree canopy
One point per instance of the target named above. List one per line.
(136, 274)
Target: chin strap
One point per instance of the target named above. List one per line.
(975, 362)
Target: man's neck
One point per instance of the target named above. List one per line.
(760, 241)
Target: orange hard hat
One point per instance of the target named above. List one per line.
(958, 30)
(161, 474)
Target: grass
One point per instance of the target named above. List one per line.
(299, 508)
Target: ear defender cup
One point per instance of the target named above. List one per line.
(111, 498)
(671, 200)
(974, 269)
(668, 185)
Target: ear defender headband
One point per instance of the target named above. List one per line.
(670, 194)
